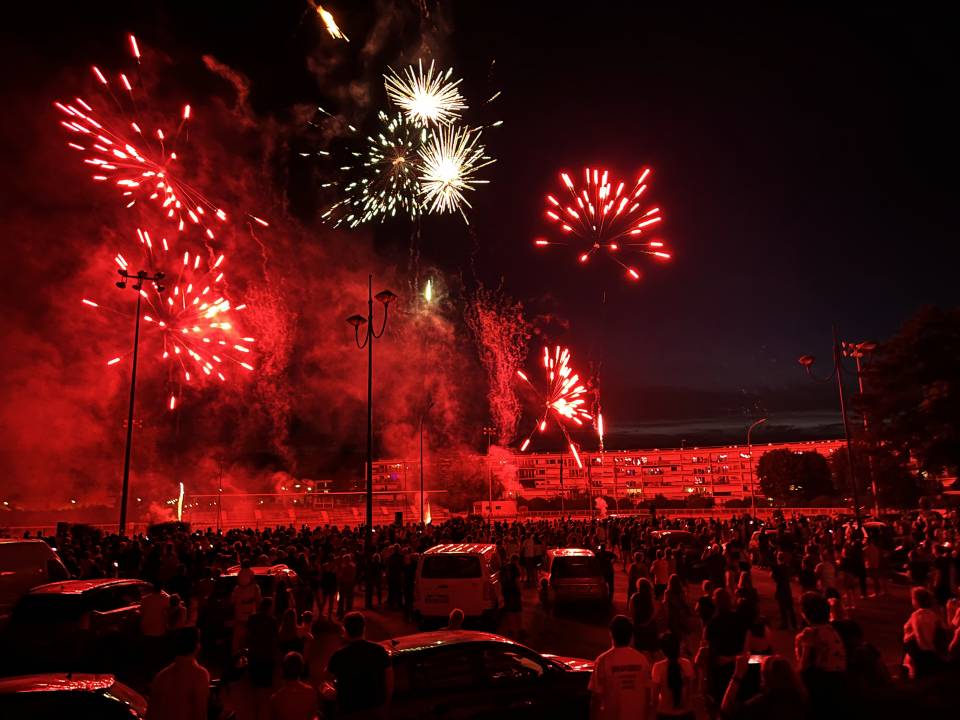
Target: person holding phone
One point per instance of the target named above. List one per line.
(781, 695)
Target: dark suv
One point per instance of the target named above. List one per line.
(459, 674)
(87, 625)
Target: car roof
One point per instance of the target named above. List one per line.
(278, 569)
(462, 549)
(440, 638)
(32, 541)
(52, 682)
(77, 587)
(570, 552)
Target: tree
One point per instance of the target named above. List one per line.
(897, 486)
(465, 483)
(912, 391)
(793, 478)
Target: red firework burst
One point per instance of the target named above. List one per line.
(192, 320)
(604, 216)
(564, 399)
(141, 164)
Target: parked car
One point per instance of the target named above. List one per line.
(24, 564)
(457, 575)
(79, 625)
(573, 575)
(463, 674)
(72, 695)
(218, 613)
(673, 538)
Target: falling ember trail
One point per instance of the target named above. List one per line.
(330, 23)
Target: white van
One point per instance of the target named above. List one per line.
(24, 564)
(464, 576)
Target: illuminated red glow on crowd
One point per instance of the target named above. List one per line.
(604, 215)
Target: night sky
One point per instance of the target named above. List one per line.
(805, 163)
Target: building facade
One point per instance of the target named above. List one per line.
(725, 472)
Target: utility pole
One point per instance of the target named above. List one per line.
(753, 490)
(837, 373)
(139, 279)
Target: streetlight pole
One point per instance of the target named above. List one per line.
(141, 277)
(385, 297)
(489, 432)
(219, 496)
(425, 411)
(807, 362)
(858, 351)
(753, 490)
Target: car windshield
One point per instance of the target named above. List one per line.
(50, 607)
(575, 567)
(450, 566)
(22, 556)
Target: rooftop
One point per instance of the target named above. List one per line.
(572, 552)
(424, 640)
(51, 682)
(77, 587)
(464, 548)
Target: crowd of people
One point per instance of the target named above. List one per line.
(682, 649)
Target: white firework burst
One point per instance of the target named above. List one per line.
(426, 99)
(448, 162)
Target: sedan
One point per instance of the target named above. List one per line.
(460, 674)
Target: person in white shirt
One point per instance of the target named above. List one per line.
(181, 690)
(673, 682)
(826, 572)
(154, 624)
(155, 613)
(620, 683)
(920, 635)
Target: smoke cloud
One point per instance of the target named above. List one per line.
(302, 413)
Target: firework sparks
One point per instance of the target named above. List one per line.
(386, 181)
(192, 322)
(330, 23)
(565, 399)
(605, 216)
(448, 162)
(499, 331)
(426, 99)
(140, 162)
